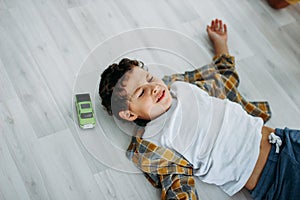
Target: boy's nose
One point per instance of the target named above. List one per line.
(154, 89)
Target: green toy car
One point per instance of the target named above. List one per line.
(85, 111)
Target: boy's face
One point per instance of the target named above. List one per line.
(149, 97)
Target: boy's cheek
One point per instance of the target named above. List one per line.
(144, 107)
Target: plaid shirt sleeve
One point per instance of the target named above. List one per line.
(220, 79)
(164, 168)
(169, 170)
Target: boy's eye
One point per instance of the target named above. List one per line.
(141, 94)
(151, 79)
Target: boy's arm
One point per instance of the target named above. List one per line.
(217, 33)
(220, 79)
(174, 186)
(164, 168)
(181, 187)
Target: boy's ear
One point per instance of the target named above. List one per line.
(128, 115)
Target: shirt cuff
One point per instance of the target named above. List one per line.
(225, 55)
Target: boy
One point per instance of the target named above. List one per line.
(189, 133)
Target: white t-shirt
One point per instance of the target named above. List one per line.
(217, 136)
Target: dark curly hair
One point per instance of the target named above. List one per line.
(111, 87)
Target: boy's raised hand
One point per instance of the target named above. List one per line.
(217, 31)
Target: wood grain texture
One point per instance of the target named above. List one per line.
(18, 135)
(47, 47)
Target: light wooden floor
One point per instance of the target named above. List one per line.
(51, 49)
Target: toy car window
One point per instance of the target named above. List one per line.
(86, 115)
(83, 97)
(85, 105)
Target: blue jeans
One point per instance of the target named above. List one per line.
(280, 178)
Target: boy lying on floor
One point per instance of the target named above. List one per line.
(188, 133)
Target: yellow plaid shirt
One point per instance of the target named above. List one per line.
(292, 1)
(167, 169)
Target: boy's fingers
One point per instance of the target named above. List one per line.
(217, 25)
(208, 29)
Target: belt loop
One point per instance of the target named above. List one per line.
(274, 139)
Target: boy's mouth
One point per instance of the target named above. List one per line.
(161, 96)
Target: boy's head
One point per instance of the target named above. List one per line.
(131, 93)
